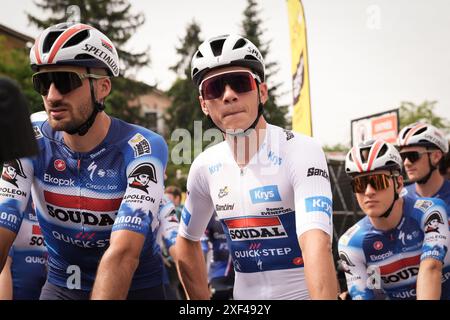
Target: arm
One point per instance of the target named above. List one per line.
(429, 280)
(319, 267)
(6, 240)
(6, 283)
(192, 269)
(118, 265)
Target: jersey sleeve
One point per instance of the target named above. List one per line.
(199, 207)
(310, 180)
(145, 184)
(168, 224)
(436, 231)
(353, 262)
(15, 191)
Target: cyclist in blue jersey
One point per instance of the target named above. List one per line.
(399, 250)
(270, 187)
(220, 271)
(97, 181)
(422, 148)
(25, 271)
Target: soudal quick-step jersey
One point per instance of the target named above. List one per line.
(29, 258)
(443, 193)
(80, 198)
(264, 207)
(385, 264)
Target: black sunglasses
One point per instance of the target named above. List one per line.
(240, 81)
(412, 156)
(65, 81)
(378, 181)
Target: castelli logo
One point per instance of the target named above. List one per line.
(298, 261)
(60, 165)
(378, 245)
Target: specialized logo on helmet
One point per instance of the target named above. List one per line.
(142, 175)
(102, 55)
(11, 170)
(255, 228)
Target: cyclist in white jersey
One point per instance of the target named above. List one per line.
(270, 187)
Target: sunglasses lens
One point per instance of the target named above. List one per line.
(64, 82)
(412, 156)
(376, 181)
(240, 82)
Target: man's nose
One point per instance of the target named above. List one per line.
(53, 93)
(229, 95)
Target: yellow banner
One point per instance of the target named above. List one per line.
(301, 118)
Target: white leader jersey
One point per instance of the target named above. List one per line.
(264, 207)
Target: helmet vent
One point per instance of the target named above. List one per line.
(383, 150)
(199, 54)
(76, 39)
(217, 47)
(239, 44)
(420, 131)
(49, 40)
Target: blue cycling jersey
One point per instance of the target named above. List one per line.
(443, 192)
(29, 258)
(81, 198)
(385, 264)
(221, 263)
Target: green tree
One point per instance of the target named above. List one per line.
(185, 108)
(115, 20)
(339, 147)
(410, 113)
(252, 30)
(112, 17)
(15, 64)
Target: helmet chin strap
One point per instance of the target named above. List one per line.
(428, 175)
(97, 107)
(247, 131)
(389, 210)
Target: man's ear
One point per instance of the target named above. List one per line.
(103, 88)
(400, 183)
(203, 105)
(436, 156)
(264, 92)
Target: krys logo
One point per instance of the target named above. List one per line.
(142, 175)
(265, 194)
(11, 170)
(319, 204)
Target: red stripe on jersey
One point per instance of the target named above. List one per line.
(36, 230)
(400, 264)
(252, 222)
(83, 203)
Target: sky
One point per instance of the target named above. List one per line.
(365, 56)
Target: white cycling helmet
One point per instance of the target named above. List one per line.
(74, 44)
(372, 155)
(227, 50)
(422, 134)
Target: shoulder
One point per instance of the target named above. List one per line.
(212, 156)
(295, 145)
(136, 141)
(355, 235)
